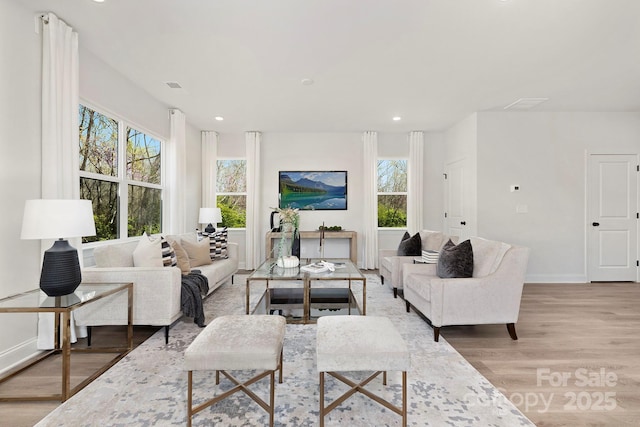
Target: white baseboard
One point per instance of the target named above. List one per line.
(18, 354)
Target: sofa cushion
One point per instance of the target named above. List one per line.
(114, 255)
(455, 260)
(218, 245)
(487, 255)
(198, 251)
(411, 246)
(148, 253)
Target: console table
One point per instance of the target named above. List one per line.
(351, 235)
(37, 301)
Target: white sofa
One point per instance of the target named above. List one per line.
(391, 265)
(491, 296)
(156, 290)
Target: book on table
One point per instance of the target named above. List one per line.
(314, 268)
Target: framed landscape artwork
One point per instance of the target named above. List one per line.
(312, 190)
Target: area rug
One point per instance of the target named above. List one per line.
(149, 386)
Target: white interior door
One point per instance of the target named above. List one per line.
(456, 209)
(612, 227)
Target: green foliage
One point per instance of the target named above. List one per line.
(234, 211)
(391, 216)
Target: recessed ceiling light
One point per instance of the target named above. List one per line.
(219, 118)
(173, 85)
(307, 82)
(99, 1)
(397, 118)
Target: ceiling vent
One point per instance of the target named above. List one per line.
(174, 85)
(525, 103)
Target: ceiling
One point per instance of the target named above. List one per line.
(432, 62)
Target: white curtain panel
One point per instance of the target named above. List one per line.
(370, 140)
(176, 173)
(209, 169)
(415, 187)
(253, 236)
(60, 140)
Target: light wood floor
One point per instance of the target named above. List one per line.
(588, 334)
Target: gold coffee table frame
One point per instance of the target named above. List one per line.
(37, 301)
(268, 271)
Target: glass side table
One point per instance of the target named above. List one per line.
(37, 301)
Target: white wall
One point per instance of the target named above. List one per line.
(544, 153)
(315, 151)
(19, 171)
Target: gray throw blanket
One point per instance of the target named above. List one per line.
(194, 287)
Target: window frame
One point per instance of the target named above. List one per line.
(121, 177)
(392, 193)
(245, 193)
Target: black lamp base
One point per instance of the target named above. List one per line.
(210, 229)
(60, 270)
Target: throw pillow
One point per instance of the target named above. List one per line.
(198, 252)
(182, 257)
(412, 246)
(148, 253)
(455, 260)
(169, 258)
(218, 245)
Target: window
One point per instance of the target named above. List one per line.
(119, 162)
(231, 191)
(392, 193)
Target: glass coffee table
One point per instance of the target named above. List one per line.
(308, 295)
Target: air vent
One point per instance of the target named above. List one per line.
(525, 103)
(174, 85)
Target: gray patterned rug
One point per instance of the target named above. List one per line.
(149, 386)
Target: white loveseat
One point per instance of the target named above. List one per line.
(156, 290)
(391, 264)
(491, 296)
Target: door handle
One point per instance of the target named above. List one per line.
(463, 222)
(595, 224)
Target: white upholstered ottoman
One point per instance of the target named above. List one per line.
(239, 342)
(360, 343)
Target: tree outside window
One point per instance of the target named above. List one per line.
(104, 181)
(392, 193)
(231, 191)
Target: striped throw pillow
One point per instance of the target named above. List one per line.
(218, 245)
(169, 257)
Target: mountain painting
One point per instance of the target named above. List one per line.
(319, 190)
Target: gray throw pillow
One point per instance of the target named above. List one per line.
(410, 246)
(455, 260)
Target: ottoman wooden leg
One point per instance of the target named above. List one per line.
(189, 398)
(321, 399)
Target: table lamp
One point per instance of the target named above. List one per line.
(58, 219)
(210, 216)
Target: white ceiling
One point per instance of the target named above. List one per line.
(433, 62)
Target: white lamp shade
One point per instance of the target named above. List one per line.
(57, 219)
(210, 216)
